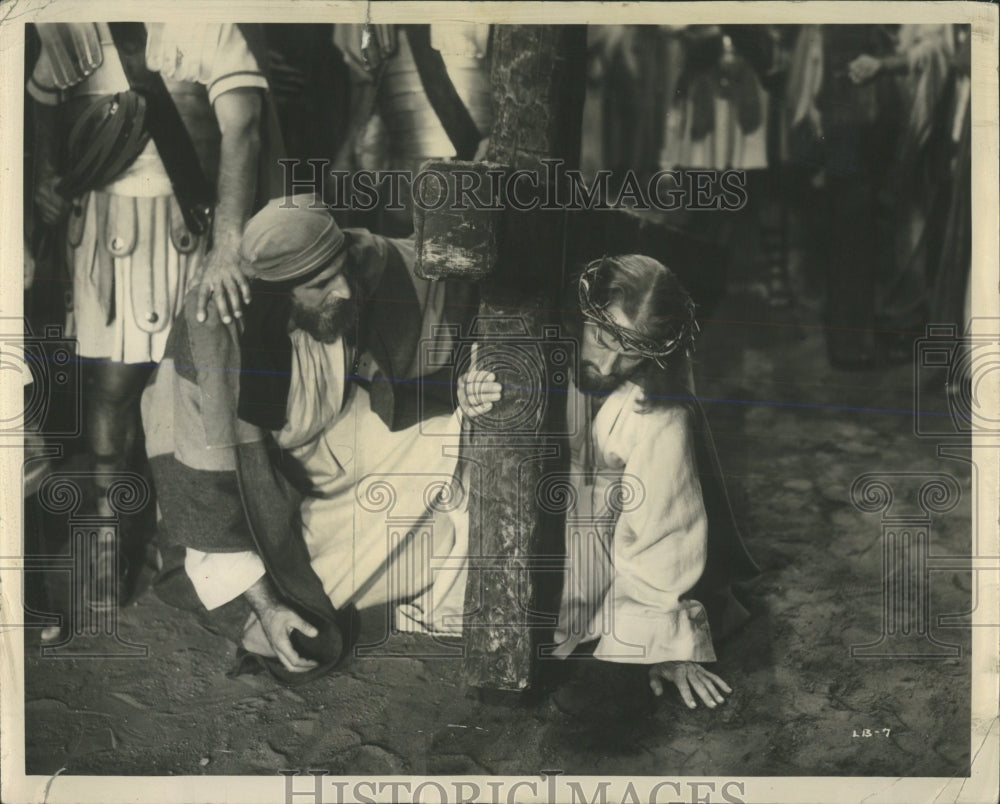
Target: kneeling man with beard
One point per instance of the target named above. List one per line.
(652, 547)
(305, 456)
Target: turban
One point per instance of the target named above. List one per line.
(289, 239)
(285, 244)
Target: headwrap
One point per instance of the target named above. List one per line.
(289, 239)
(683, 329)
(286, 244)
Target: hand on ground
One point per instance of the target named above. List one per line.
(689, 676)
(278, 622)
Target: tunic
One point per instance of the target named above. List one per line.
(359, 504)
(130, 251)
(636, 535)
(384, 518)
(411, 126)
(728, 143)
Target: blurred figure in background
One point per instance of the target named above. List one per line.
(403, 110)
(922, 70)
(631, 62)
(848, 129)
(867, 110)
(951, 277)
(311, 88)
(719, 107)
(717, 119)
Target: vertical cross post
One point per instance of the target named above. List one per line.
(538, 75)
(538, 88)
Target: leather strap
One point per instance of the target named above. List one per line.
(194, 192)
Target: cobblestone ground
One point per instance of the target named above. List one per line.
(792, 435)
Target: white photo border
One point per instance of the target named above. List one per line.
(983, 784)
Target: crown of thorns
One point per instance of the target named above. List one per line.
(682, 330)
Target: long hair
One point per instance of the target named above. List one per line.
(662, 313)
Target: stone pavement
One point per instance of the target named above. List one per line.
(792, 436)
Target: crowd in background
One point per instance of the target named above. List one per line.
(855, 139)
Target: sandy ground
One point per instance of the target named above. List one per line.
(792, 436)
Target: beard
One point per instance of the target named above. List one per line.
(593, 382)
(333, 320)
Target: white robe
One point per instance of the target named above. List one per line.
(386, 519)
(636, 535)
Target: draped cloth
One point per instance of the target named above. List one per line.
(950, 299)
(649, 533)
(304, 504)
(717, 117)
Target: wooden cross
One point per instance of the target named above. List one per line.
(538, 83)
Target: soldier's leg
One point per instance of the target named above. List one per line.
(112, 428)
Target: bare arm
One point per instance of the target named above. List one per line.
(239, 113)
(864, 68)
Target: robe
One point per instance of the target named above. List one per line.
(352, 502)
(638, 534)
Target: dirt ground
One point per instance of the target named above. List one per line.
(792, 436)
